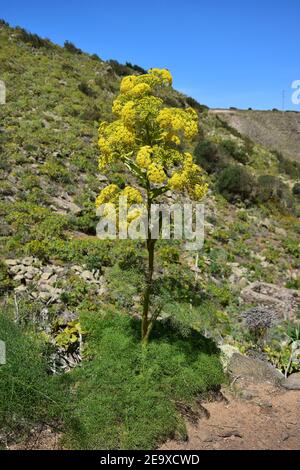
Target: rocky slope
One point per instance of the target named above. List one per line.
(52, 266)
(275, 130)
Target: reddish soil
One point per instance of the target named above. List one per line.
(252, 416)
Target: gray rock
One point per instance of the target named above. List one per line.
(31, 272)
(102, 178)
(281, 232)
(66, 205)
(87, 276)
(285, 302)
(16, 269)
(11, 262)
(230, 433)
(28, 261)
(292, 382)
(20, 289)
(45, 276)
(227, 351)
(249, 367)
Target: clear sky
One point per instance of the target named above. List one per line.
(222, 52)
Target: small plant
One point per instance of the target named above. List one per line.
(259, 320)
(5, 281)
(296, 190)
(86, 89)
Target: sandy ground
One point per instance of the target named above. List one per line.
(251, 416)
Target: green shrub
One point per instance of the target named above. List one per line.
(33, 39)
(272, 189)
(91, 113)
(238, 152)
(119, 69)
(28, 395)
(296, 190)
(194, 104)
(86, 89)
(235, 182)
(56, 171)
(208, 156)
(70, 47)
(5, 281)
(128, 397)
(292, 247)
(287, 166)
(137, 68)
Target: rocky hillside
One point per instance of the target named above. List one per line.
(58, 280)
(275, 130)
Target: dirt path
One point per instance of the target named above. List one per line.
(254, 416)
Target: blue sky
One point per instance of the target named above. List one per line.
(222, 52)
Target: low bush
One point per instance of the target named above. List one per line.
(235, 182)
(287, 166)
(128, 397)
(207, 155)
(28, 394)
(135, 67)
(5, 281)
(33, 39)
(70, 47)
(86, 89)
(238, 152)
(272, 189)
(56, 171)
(120, 69)
(194, 104)
(296, 190)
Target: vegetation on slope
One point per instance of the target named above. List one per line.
(49, 181)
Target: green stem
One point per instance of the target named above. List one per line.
(146, 322)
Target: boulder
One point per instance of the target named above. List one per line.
(292, 382)
(256, 369)
(227, 351)
(285, 302)
(66, 205)
(11, 262)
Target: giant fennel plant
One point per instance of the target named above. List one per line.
(148, 138)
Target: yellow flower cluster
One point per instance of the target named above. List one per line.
(146, 137)
(190, 178)
(156, 173)
(139, 85)
(127, 83)
(107, 194)
(174, 120)
(133, 195)
(163, 74)
(199, 191)
(143, 158)
(134, 214)
(111, 194)
(115, 139)
(140, 90)
(128, 113)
